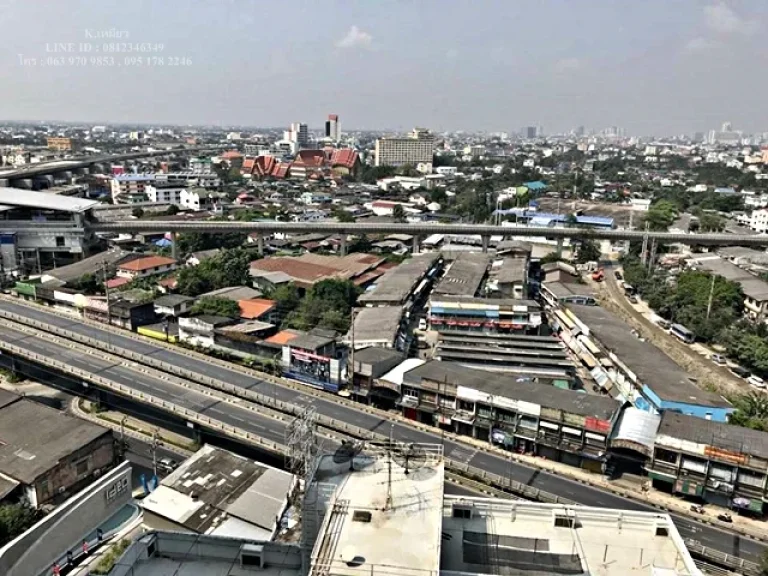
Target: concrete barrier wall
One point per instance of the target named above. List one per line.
(63, 529)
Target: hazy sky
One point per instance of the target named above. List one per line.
(651, 66)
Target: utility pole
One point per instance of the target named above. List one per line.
(122, 435)
(711, 296)
(644, 249)
(106, 291)
(154, 451)
(652, 257)
(352, 351)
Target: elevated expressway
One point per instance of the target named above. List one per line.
(11, 175)
(253, 408)
(423, 230)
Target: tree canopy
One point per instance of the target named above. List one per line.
(746, 343)
(687, 301)
(589, 251)
(751, 411)
(15, 519)
(328, 304)
(197, 241)
(660, 215)
(228, 268)
(398, 213)
(217, 307)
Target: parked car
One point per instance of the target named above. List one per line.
(633, 299)
(664, 324)
(618, 275)
(718, 359)
(741, 372)
(422, 324)
(756, 381)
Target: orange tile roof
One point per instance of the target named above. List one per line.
(282, 337)
(255, 308)
(344, 157)
(117, 282)
(146, 263)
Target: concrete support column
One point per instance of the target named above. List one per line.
(260, 243)
(416, 243)
(559, 249)
(343, 248)
(175, 245)
(486, 240)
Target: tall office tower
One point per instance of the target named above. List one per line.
(727, 127)
(530, 131)
(333, 127)
(580, 131)
(298, 134)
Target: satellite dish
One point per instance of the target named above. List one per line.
(410, 456)
(347, 452)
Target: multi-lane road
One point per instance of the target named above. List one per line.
(252, 421)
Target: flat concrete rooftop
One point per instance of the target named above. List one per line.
(487, 536)
(174, 554)
(382, 519)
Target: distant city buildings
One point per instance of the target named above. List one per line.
(333, 127)
(726, 135)
(59, 144)
(297, 135)
(417, 149)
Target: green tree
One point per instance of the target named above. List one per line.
(228, 268)
(87, 283)
(398, 213)
(325, 297)
(372, 174)
(342, 215)
(711, 223)
(589, 251)
(409, 170)
(172, 210)
(571, 221)
(217, 307)
(137, 212)
(438, 195)
(287, 298)
(15, 519)
(196, 241)
(660, 215)
(751, 411)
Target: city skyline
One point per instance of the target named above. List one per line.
(391, 67)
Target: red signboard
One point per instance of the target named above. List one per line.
(596, 425)
(309, 356)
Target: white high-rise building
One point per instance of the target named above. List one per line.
(298, 135)
(418, 149)
(333, 127)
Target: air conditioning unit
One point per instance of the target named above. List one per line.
(252, 556)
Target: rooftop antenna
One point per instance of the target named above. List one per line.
(388, 504)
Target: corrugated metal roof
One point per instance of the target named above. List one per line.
(637, 427)
(19, 198)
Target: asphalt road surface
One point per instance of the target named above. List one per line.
(273, 430)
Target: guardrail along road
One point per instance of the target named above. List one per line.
(329, 409)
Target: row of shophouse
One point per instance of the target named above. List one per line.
(667, 427)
